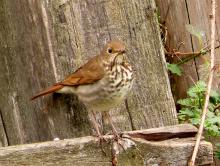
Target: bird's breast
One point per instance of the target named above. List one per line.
(120, 80)
(109, 91)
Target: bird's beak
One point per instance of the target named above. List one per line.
(122, 52)
(120, 56)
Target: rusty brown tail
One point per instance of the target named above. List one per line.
(51, 89)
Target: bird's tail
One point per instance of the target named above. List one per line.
(51, 89)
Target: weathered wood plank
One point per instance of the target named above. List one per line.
(196, 13)
(199, 17)
(3, 135)
(86, 151)
(43, 41)
(98, 21)
(163, 133)
(175, 16)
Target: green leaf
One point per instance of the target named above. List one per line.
(210, 115)
(185, 102)
(182, 118)
(186, 112)
(214, 120)
(175, 69)
(214, 97)
(214, 94)
(192, 108)
(197, 90)
(212, 130)
(195, 121)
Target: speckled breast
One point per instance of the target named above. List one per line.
(111, 90)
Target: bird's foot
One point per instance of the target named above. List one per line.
(122, 142)
(117, 135)
(102, 138)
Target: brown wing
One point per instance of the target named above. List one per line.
(49, 90)
(89, 73)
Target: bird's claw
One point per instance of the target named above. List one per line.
(121, 143)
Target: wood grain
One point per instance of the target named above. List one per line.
(164, 133)
(199, 16)
(43, 41)
(85, 151)
(176, 15)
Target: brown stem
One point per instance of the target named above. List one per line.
(191, 55)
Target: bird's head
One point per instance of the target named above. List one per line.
(114, 52)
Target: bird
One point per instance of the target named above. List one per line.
(101, 84)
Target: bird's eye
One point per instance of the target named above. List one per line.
(109, 50)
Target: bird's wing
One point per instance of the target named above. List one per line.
(89, 73)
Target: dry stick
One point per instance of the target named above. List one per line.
(205, 108)
(191, 55)
(204, 51)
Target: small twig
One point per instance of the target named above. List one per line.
(204, 51)
(182, 53)
(191, 55)
(189, 58)
(205, 108)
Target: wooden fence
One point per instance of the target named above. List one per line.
(175, 15)
(43, 41)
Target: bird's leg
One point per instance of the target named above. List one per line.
(120, 142)
(96, 126)
(115, 133)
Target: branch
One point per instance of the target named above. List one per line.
(190, 55)
(182, 53)
(205, 108)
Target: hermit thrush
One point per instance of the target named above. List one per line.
(102, 83)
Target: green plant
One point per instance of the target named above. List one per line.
(192, 108)
(174, 69)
